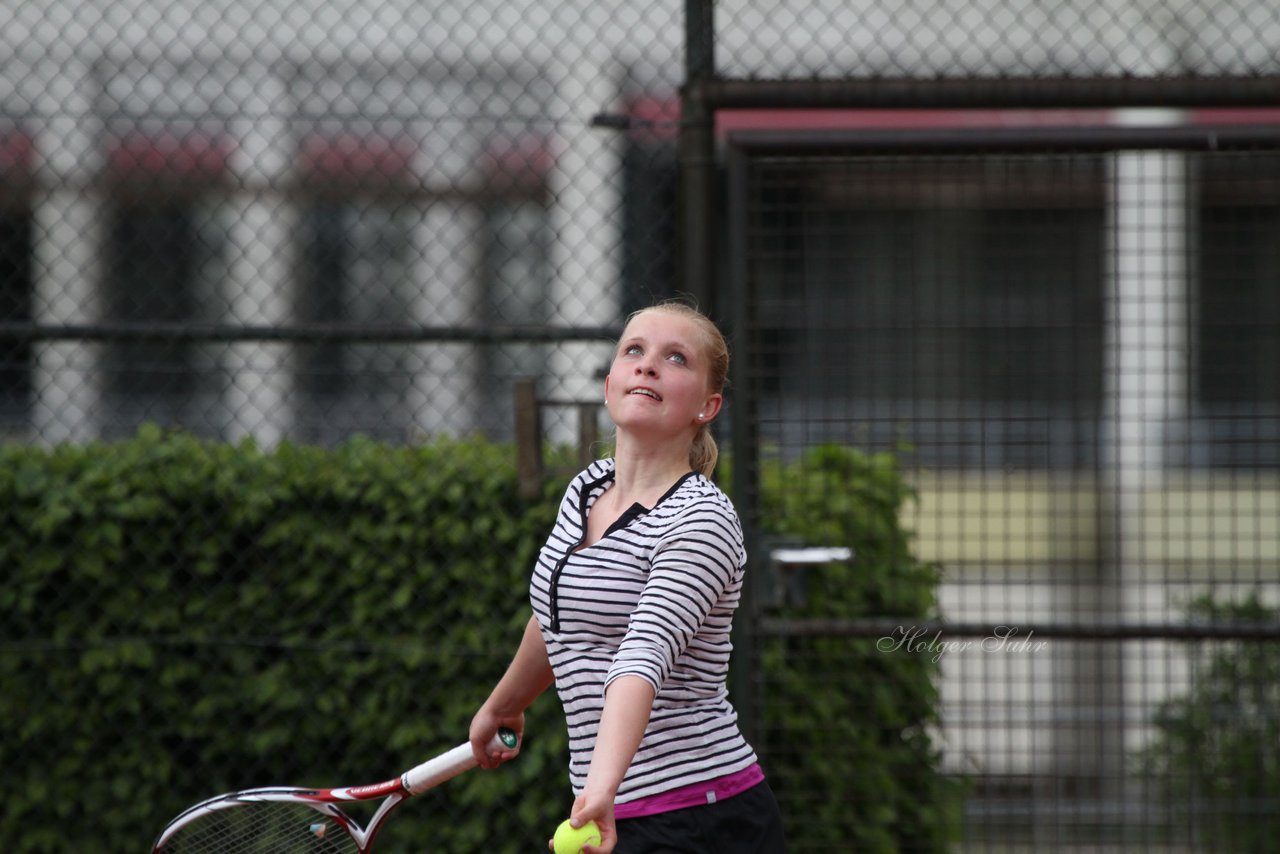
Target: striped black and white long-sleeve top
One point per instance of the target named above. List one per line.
(652, 598)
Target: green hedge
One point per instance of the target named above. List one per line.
(185, 617)
(847, 724)
(1214, 759)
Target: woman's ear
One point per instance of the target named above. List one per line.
(711, 408)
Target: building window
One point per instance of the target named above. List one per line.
(356, 242)
(951, 303)
(15, 279)
(650, 178)
(515, 271)
(1236, 316)
(165, 256)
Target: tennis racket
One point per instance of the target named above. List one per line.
(283, 820)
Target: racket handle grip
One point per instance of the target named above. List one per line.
(448, 765)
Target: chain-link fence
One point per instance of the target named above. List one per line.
(309, 220)
(1029, 245)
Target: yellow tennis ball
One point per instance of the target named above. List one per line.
(569, 840)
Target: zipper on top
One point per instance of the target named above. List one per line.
(554, 592)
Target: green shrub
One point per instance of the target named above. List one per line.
(184, 617)
(1215, 757)
(847, 726)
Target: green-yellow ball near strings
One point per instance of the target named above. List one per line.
(569, 840)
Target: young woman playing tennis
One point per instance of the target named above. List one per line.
(633, 597)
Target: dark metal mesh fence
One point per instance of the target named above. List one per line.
(1068, 336)
(1031, 246)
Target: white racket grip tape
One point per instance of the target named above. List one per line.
(448, 765)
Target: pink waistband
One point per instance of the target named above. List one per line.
(691, 796)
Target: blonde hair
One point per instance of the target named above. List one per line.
(715, 349)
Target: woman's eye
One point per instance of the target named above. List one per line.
(678, 358)
(632, 350)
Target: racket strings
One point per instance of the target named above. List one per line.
(262, 828)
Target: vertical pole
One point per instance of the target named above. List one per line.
(700, 232)
(747, 672)
(588, 432)
(698, 228)
(1145, 379)
(528, 429)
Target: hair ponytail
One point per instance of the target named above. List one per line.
(704, 452)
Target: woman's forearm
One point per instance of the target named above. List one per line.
(627, 705)
(528, 675)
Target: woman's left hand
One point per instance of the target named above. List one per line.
(587, 807)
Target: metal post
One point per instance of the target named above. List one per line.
(697, 154)
(528, 429)
(746, 676)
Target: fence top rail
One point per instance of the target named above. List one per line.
(336, 332)
(1008, 139)
(988, 92)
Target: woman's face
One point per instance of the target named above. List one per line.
(658, 380)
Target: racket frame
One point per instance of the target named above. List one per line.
(415, 781)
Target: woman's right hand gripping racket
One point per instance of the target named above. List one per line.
(283, 820)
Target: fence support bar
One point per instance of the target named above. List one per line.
(894, 626)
